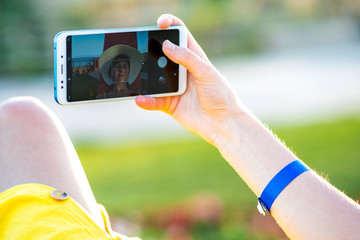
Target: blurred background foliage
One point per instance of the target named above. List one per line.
(227, 27)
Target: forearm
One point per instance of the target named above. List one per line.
(309, 207)
(251, 149)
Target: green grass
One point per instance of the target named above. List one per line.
(147, 176)
(151, 175)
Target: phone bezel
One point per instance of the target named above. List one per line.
(60, 60)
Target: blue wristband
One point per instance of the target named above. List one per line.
(278, 183)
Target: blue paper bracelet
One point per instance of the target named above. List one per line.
(278, 183)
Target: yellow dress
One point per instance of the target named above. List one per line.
(29, 211)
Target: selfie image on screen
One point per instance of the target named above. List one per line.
(120, 65)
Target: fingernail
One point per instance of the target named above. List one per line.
(169, 46)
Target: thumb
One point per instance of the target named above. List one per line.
(150, 103)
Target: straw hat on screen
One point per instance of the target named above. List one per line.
(107, 57)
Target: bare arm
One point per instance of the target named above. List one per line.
(309, 207)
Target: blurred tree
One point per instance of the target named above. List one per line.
(227, 27)
(22, 45)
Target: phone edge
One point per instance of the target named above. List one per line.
(182, 88)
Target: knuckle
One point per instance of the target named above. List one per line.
(186, 54)
(206, 71)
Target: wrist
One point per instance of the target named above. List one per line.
(230, 130)
(251, 149)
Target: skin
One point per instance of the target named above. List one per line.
(309, 207)
(202, 101)
(121, 74)
(35, 148)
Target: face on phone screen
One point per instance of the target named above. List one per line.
(113, 65)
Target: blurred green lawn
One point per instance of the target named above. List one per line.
(145, 176)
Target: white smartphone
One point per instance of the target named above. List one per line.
(116, 64)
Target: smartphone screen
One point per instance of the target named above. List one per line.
(122, 64)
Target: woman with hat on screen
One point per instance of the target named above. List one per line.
(119, 67)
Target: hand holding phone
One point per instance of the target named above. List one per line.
(116, 64)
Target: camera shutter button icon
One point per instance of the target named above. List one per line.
(162, 62)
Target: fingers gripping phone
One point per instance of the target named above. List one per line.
(116, 64)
